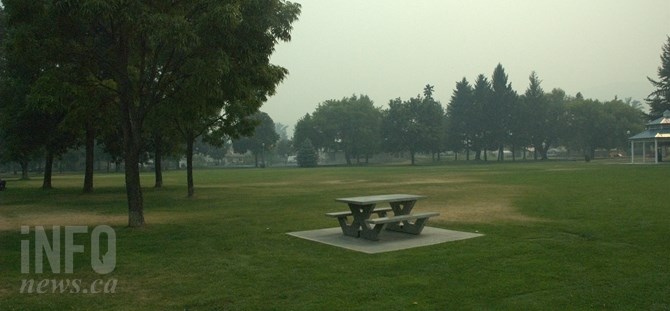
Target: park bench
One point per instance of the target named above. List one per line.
(381, 211)
(342, 217)
(402, 223)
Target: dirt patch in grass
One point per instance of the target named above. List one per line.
(49, 219)
(425, 181)
(60, 219)
(342, 182)
(480, 212)
(256, 184)
(484, 204)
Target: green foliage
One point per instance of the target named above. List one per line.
(460, 115)
(263, 140)
(415, 125)
(305, 129)
(535, 125)
(659, 99)
(205, 63)
(350, 125)
(307, 155)
(500, 111)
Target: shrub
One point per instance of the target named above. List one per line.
(307, 156)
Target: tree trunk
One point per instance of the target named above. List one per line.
(131, 123)
(134, 190)
(132, 172)
(48, 169)
(412, 153)
(90, 148)
(543, 153)
(158, 161)
(189, 165)
(24, 170)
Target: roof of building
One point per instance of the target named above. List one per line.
(664, 120)
(657, 129)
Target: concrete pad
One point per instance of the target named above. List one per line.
(388, 240)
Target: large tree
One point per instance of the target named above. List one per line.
(659, 99)
(587, 126)
(30, 122)
(433, 117)
(148, 52)
(460, 131)
(415, 125)
(262, 140)
(350, 125)
(535, 108)
(478, 117)
(501, 109)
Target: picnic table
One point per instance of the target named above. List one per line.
(362, 209)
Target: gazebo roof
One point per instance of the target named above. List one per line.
(652, 134)
(664, 120)
(657, 129)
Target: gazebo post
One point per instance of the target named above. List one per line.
(656, 150)
(644, 152)
(632, 152)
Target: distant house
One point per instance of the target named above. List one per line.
(656, 132)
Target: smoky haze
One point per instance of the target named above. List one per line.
(392, 48)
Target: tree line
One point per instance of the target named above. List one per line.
(486, 115)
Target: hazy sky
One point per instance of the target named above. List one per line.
(392, 48)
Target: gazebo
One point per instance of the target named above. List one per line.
(658, 133)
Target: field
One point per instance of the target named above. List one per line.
(558, 236)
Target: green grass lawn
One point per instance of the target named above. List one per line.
(558, 235)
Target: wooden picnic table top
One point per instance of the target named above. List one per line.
(373, 199)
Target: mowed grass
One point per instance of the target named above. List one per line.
(558, 235)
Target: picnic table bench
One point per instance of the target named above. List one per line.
(361, 209)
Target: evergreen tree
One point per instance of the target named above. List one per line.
(478, 117)
(460, 130)
(659, 99)
(307, 155)
(501, 109)
(432, 117)
(536, 110)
